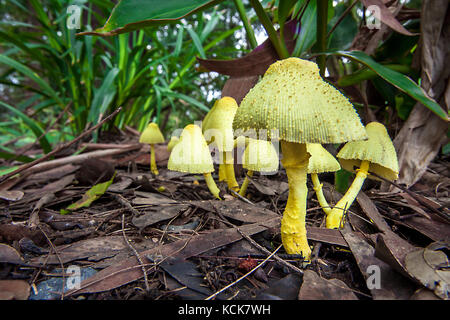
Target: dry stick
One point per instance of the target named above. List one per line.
(138, 257)
(62, 147)
(245, 275)
(124, 202)
(275, 257)
(419, 199)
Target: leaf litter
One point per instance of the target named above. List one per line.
(192, 245)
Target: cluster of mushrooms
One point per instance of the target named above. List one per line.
(291, 104)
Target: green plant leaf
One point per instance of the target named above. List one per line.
(90, 196)
(32, 75)
(397, 79)
(33, 125)
(130, 15)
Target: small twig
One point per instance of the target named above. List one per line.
(241, 197)
(61, 147)
(124, 202)
(245, 275)
(275, 257)
(138, 257)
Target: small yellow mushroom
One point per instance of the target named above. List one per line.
(260, 155)
(377, 155)
(217, 128)
(172, 143)
(152, 135)
(191, 154)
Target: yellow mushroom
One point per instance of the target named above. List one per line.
(260, 155)
(377, 155)
(191, 154)
(172, 143)
(152, 135)
(217, 128)
(294, 103)
(320, 161)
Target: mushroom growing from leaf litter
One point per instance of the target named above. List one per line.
(320, 161)
(217, 128)
(293, 103)
(260, 155)
(152, 135)
(191, 154)
(377, 155)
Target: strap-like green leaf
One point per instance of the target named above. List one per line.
(130, 15)
(397, 79)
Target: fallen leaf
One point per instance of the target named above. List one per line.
(9, 255)
(286, 288)
(430, 267)
(90, 196)
(424, 294)
(154, 216)
(315, 287)
(13, 195)
(14, 289)
(392, 285)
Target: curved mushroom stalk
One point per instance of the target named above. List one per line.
(293, 227)
(212, 185)
(319, 193)
(336, 215)
(244, 186)
(222, 173)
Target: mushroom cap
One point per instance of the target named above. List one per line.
(321, 160)
(191, 154)
(260, 155)
(151, 134)
(217, 125)
(378, 150)
(172, 143)
(293, 98)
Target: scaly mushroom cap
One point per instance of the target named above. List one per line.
(217, 125)
(321, 160)
(293, 98)
(191, 154)
(151, 134)
(378, 150)
(260, 155)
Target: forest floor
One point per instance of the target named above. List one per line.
(394, 243)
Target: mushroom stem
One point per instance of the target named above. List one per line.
(229, 171)
(212, 185)
(153, 167)
(293, 228)
(244, 186)
(319, 193)
(334, 218)
(222, 173)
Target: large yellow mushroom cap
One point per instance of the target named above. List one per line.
(293, 99)
(191, 154)
(260, 155)
(321, 160)
(378, 150)
(217, 125)
(151, 134)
